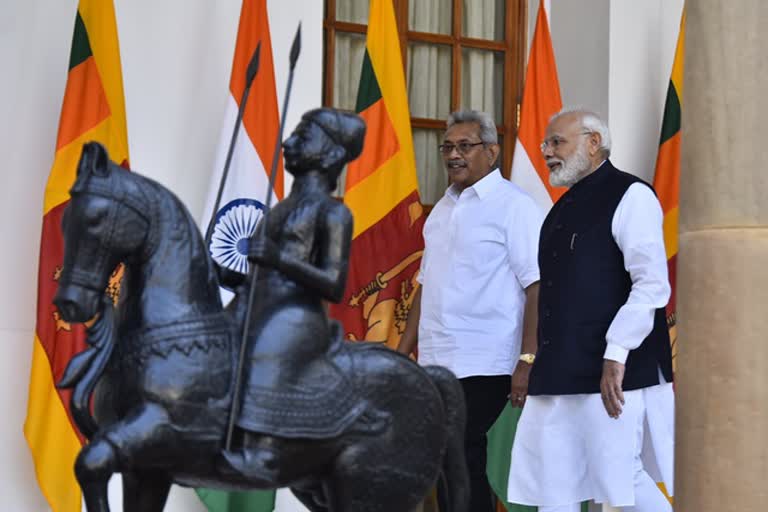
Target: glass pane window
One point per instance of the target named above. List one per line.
(455, 55)
(482, 82)
(352, 11)
(483, 19)
(433, 180)
(429, 80)
(433, 16)
(350, 49)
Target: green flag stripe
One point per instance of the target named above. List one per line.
(671, 123)
(500, 439)
(81, 47)
(238, 501)
(369, 91)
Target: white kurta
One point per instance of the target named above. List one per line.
(480, 254)
(567, 449)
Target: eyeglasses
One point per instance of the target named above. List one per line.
(462, 147)
(556, 141)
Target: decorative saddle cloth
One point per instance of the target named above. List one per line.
(324, 404)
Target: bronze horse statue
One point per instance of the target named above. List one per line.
(160, 367)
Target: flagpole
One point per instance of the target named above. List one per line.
(253, 69)
(294, 56)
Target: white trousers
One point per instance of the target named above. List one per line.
(648, 497)
(567, 450)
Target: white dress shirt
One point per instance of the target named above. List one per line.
(480, 254)
(637, 227)
(567, 449)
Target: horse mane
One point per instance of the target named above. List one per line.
(166, 208)
(97, 174)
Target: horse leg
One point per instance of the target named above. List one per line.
(145, 491)
(137, 439)
(312, 497)
(95, 464)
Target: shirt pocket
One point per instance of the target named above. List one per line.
(481, 247)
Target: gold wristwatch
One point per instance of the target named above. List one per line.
(528, 358)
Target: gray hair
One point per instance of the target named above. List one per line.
(488, 133)
(592, 122)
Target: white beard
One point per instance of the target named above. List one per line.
(571, 169)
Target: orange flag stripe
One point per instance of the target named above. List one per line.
(85, 104)
(379, 146)
(541, 99)
(667, 180)
(260, 120)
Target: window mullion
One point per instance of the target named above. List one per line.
(330, 62)
(456, 67)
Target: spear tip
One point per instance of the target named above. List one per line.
(253, 66)
(296, 47)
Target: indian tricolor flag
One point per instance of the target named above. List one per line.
(667, 178)
(93, 110)
(382, 192)
(541, 100)
(245, 190)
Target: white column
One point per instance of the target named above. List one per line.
(722, 390)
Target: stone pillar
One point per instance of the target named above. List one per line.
(722, 380)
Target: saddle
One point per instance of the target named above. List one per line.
(325, 404)
(327, 407)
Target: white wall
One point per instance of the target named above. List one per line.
(615, 56)
(176, 62)
(582, 54)
(176, 57)
(643, 36)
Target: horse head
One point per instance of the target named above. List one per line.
(103, 224)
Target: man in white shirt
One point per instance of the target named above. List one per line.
(598, 421)
(476, 307)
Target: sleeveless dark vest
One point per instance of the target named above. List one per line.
(583, 285)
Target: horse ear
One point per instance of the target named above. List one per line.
(101, 165)
(93, 159)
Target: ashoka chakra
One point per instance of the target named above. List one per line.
(235, 223)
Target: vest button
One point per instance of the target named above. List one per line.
(559, 227)
(554, 254)
(545, 342)
(549, 284)
(547, 313)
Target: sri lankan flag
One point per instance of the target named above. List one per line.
(93, 110)
(382, 192)
(667, 178)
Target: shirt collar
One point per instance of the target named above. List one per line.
(482, 187)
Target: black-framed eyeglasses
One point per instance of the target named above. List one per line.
(462, 147)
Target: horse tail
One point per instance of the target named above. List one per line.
(455, 482)
(85, 369)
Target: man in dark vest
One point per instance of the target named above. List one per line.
(598, 421)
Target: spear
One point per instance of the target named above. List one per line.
(294, 56)
(250, 74)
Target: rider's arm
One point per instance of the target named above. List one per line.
(326, 275)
